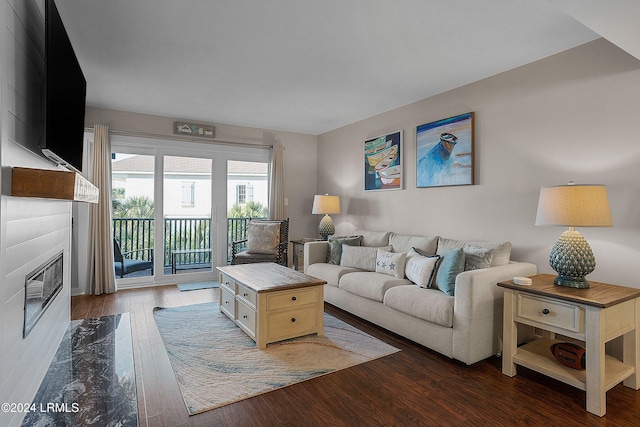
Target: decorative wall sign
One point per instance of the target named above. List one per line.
(192, 129)
(383, 162)
(444, 152)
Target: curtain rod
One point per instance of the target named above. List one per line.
(181, 138)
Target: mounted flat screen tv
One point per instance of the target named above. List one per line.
(65, 95)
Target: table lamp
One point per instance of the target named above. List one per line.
(573, 206)
(326, 205)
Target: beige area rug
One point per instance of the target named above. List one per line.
(217, 364)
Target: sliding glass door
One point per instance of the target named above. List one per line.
(187, 214)
(178, 206)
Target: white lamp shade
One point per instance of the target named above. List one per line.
(326, 204)
(574, 206)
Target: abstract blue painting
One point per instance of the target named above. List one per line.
(444, 152)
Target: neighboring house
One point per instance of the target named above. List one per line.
(187, 184)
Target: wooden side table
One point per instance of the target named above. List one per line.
(298, 249)
(594, 316)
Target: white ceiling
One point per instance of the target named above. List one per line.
(302, 65)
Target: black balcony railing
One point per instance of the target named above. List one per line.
(180, 234)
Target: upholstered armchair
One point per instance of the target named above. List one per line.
(267, 241)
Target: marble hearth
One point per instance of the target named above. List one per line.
(91, 380)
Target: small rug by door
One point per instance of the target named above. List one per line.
(217, 364)
(197, 285)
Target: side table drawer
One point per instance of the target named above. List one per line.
(292, 323)
(551, 312)
(246, 317)
(293, 298)
(228, 303)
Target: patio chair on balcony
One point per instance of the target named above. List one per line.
(267, 241)
(125, 264)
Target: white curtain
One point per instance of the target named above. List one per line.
(101, 271)
(276, 186)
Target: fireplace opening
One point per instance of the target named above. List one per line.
(40, 288)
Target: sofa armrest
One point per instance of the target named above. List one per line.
(315, 252)
(478, 306)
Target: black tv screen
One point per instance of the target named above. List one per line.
(65, 94)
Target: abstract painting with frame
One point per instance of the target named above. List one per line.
(444, 152)
(383, 162)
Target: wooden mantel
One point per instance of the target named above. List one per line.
(52, 184)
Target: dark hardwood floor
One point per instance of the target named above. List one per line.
(414, 387)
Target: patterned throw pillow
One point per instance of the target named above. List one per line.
(420, 269)
(263, 238)
(335, 247)
(476, 257)
(391, 263)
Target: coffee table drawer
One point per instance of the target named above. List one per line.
(247, 294)
(551, 312)
(227, 282)
(292, 323)
(246, 317)
(292, 298)
(228, 303)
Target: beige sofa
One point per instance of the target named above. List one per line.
(466, 326)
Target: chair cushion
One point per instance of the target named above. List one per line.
(374, 238)
(426, 304)
(245, 257)
(263, 237)
(369, 285)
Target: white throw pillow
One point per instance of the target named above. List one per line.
(420, 269)
(362, 257)
(391, 263)
(263, 237)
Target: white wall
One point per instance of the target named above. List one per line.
(572, 116)
(31, 230)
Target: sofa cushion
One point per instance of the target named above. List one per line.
(361, 257)
(476, 257)
(426, 304)
(451, 265)
(391, 263)
(329, 272)
(501, 250)
(335, 247)
(421, 269)
(404, 243)
(369, 285)
(374, 238)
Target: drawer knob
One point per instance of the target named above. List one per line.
(293, 298)
(293, 320)
(244, 317)
(545, 311)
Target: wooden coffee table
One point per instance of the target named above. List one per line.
(270, 302)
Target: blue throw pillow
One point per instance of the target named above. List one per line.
(451, 265)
